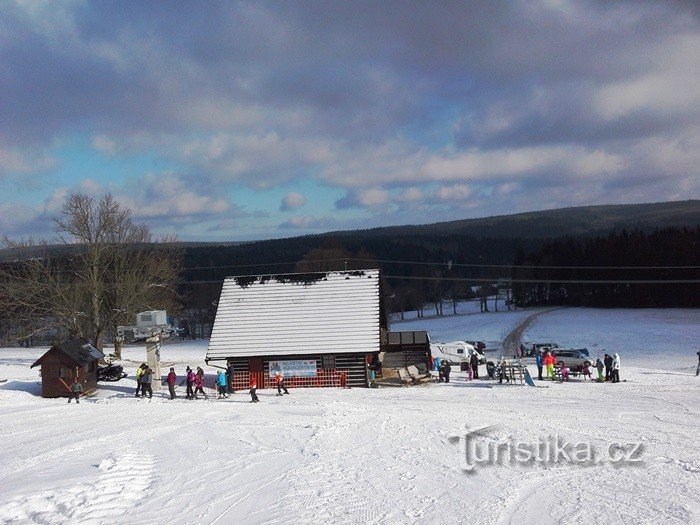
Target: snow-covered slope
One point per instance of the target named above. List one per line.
(364, 455)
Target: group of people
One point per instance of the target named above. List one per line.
(608, 369)
(444, 368)
(194, 381)
(472, 366)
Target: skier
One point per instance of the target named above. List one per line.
(190, 381)
(146, 379)
(608, 360)
(446, 369)
(222, 384)
(538, 359)
(586, 371)
(171, 379)
(253, 390)
(139, 372)
(279, 380)
(75, 390)
(501, 371)
(565, 373)
(439, 366)
(599, 366)
(475, 365)
(616, 368)
(549, 361)
(199, 383)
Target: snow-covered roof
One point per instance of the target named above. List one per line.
(310, 313)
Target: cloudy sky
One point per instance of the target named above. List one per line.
(247, 120)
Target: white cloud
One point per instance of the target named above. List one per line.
(411, 194)
(104, 144)
(292, 201)
(455, 192)
(16, 162)
(299, 222)
(669, 86)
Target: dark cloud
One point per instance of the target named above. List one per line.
(369, 96)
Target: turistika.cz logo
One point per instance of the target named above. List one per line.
(479, 449)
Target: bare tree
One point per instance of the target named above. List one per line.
(104, 271)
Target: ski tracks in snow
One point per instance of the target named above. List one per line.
(123, 482)
(360, 466)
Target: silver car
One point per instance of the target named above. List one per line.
(571, 358)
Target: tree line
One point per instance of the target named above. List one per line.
(103, 268)
(621, 258)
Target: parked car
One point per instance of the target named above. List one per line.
(532, 349)
(479, 345)
(572, 358)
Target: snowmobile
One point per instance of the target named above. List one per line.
(111, 372)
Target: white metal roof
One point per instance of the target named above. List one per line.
(325, 313)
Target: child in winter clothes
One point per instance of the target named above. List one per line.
(600, 367)
(75, 390)
(172, 378)
(190, 382)
(565, 373)
(222, 383)
(586, 371)
(146, 380)
(538, 359)
(279, 380)
(253, 390)
(199, 383)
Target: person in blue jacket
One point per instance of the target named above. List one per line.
(222, 383)
(539, 365)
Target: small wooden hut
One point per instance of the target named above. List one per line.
(65, 361)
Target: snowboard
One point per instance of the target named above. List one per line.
(528, 377)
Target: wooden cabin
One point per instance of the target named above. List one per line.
(318, 329)
(65, 361)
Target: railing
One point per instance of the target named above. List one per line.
(324, 378)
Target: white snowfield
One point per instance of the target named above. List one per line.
(367, 455)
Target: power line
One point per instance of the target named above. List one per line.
(461, 265)
(508, 279)
(421, 263)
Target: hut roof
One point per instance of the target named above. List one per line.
(78, 350)
(302, 313)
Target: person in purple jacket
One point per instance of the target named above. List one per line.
(189, 379)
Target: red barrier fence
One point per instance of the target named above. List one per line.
(324, 378)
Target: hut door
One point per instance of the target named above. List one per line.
(255, 367)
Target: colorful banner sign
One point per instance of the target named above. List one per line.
(296, 368)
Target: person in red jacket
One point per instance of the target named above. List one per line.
(253, 389)
(172, 377)
(279, 380)
(549, 361)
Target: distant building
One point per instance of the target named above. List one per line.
(65, 361)
(309, 326)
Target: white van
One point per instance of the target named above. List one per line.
(455, 352)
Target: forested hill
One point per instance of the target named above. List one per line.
(579, 221)
(492, 240)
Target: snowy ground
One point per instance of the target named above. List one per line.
(367, 455)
